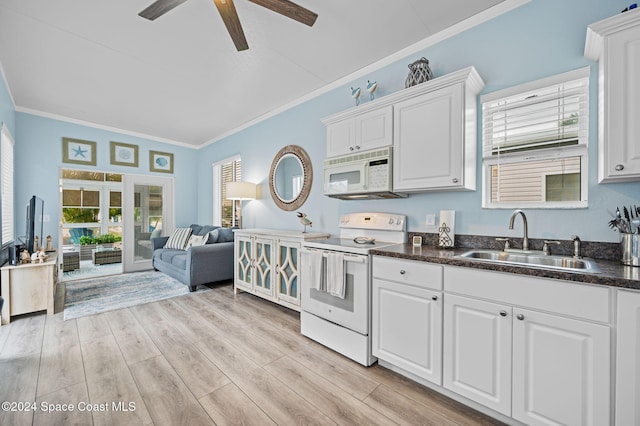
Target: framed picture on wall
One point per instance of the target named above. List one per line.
(77, 151)
(124, 154)
(161, 162)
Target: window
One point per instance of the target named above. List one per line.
(6, 184)
(226, 212)
(535, 143)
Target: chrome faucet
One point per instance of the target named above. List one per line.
(525, 240)
(576, 246)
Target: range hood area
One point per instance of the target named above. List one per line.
(369, 196)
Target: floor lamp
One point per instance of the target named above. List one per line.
(238, 191)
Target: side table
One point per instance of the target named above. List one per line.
(28, 288)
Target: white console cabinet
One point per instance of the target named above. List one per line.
(615, 43)
(267, 263)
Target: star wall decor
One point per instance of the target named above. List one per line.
(77, 151)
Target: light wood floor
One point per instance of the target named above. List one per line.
(203, 358)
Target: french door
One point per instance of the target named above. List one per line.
(148, 211)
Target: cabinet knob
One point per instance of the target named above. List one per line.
(454, 180)
(402, 272)
(520, 317)
(619, 167)
(434, 298)
(351, 148)
(357, 146)
(503, 313)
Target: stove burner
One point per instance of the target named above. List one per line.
(364, 240)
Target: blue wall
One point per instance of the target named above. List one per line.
(38, 159)
(541, 38)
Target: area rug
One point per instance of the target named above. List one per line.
(93, 296)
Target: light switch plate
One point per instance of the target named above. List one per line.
(431, 219)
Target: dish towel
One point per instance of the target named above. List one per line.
(335, 275)
(315, 269)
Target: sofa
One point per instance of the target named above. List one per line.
(200, 264)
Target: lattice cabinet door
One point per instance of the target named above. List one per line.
(244, 263)
(288, 272)
(264, 265)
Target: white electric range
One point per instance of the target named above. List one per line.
(344, 323)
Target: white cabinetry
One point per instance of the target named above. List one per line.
(407, 316)
(477, 350)
(359, 130)
(505, 353)
(615, 43)
(435, 136)
(627, 362)
(267, 262)
(432, 127)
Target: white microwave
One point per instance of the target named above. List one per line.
(363, 175)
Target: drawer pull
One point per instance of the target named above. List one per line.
(503, 313)
(520, 317)
(402, 272)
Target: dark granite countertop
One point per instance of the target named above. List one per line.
(613, 273)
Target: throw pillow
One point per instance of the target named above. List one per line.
(178, 239)
(213, 236)
(226, 235)
(196, 240)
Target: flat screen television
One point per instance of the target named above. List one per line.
(35, 216)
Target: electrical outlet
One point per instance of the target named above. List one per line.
(431, 219)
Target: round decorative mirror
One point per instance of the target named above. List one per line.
(290, 177)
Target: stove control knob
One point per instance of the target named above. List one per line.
(399, 221)
(390, 221)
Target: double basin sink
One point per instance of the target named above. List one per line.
(533, 259)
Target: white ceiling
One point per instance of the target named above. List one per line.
(179, 78)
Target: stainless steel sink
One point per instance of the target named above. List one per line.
(534, 259)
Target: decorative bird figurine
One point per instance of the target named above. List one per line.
(371, 87)
(305, 221)
(355, 94)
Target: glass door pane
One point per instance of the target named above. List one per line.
(147, 218)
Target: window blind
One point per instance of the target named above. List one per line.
(548, 117)
(6, 186)
(226, 171)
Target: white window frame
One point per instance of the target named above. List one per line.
(217, 187)
(579, 150)
(7, 190)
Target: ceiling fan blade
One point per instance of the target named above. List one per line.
(232, 22)
(290, 10)
(159, 8)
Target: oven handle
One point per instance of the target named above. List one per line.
(347, 257)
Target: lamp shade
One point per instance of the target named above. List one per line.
(241, 191)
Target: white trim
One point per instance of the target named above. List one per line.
(101, 127)
(6, 84)
(576, 74)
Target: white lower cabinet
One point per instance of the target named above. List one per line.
(267, 264)
(477, 351)
(627, 359)
(502, 351)
(407, 316)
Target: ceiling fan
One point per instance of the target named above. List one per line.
(230, 17)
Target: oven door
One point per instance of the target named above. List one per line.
(351, 312)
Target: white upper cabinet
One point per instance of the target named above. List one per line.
(432, 127)
(360, 132)
(615, 43)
